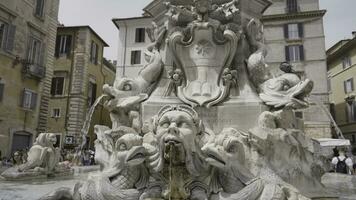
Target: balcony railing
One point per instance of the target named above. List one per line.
(33, 70)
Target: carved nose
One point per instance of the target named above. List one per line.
(173, 129)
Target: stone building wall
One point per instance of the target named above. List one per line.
(78, 70)
(19, 126)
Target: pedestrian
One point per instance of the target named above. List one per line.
(342, 164)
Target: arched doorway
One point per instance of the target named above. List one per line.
(21, 140)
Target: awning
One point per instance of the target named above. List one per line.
(327, 142)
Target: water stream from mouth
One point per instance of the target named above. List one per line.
(170, 170)
(85, 129)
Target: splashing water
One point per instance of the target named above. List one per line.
(327, 112)
(85, 129)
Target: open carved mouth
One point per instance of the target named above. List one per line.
(136, 156)
(172, 140)
(215, 158)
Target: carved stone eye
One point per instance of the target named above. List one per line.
(232, 148)
(165, 124)
(122, 147)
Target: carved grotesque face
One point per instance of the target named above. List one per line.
(176, 129)
(129, 150)
(202, 6)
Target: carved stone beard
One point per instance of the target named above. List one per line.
(182, 155)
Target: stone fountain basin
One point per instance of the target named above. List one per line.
(34, 189)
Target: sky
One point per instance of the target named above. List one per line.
(339, 21)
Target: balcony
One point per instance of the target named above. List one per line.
(35, 71)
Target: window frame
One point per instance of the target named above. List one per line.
(29, 99)
(346, 89)
(346, 62)
(37, 56)
(63, 45)
(351, 111)
(297, 54)
(39, 12)
(140, 35)
(53, 93)
(94, 51)
(292, 6)
(54, 113)
(92, 92)
(136, 57)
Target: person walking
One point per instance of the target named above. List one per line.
(342, 164)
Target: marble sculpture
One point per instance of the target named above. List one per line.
(163, 146)
(42, 161)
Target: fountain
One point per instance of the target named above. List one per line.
(215, 125)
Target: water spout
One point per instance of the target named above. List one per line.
(85, 129)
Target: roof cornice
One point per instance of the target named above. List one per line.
(289, 16)
(342, 50)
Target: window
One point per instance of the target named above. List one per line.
(140, 35)
(56, 113)
(299, 115)
(346, 62)
(292, 6)
(91, 93)
(353, 139)
(29, 99)
(349, 85)
(294, 53)
(57, 86)
(293, 31)
(2, 87)
(39, 10)
(63, 45)
(35, 51)
(94, 53)
(135, 57)
(7, 36)
(351, 111)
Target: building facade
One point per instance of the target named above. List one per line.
(80, 71)
(27, 38)
(293, 32)
(341, 60)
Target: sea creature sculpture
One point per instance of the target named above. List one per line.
(43, 159)
(286, 90)
(123, 178)
(227, 156)
(128, 93)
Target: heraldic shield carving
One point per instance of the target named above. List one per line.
(203, 56)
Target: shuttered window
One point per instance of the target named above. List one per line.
(29, 99)
(7, 36)
(39, 9)
(294, 53)
(292, 6)
(293, 31)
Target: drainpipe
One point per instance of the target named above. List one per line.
(125, 46)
